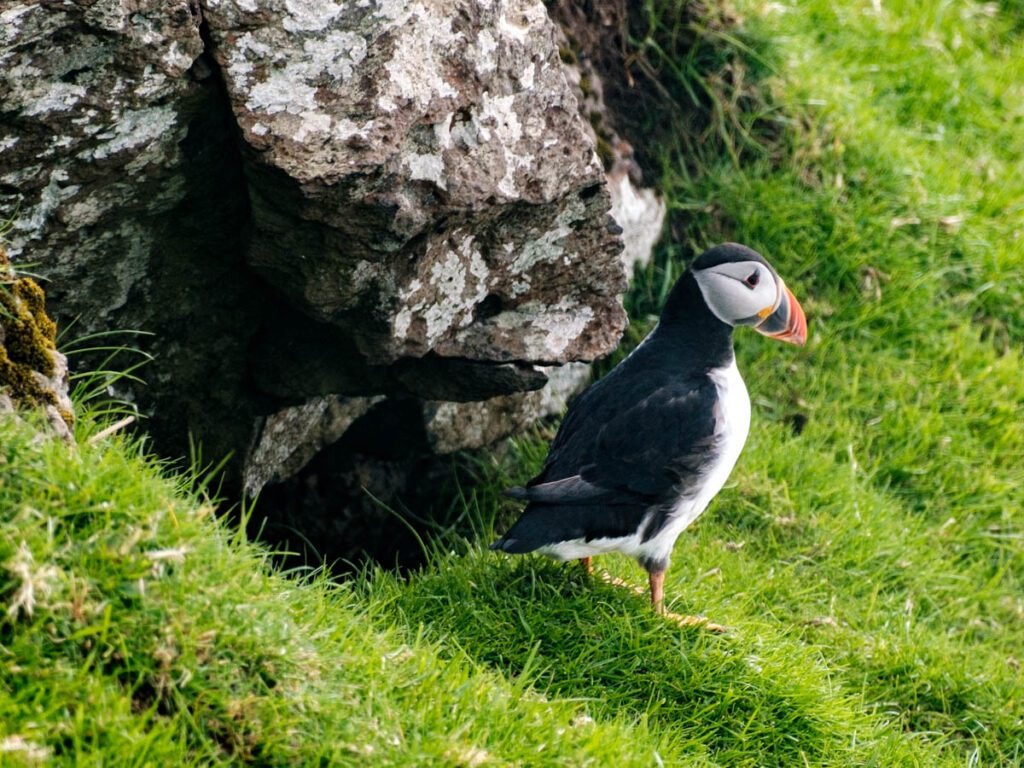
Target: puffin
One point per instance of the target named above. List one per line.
(642, 452)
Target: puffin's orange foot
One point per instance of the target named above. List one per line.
(657, 602)
(701, 622)
(588, 565)
(615, 581)
(657, 579)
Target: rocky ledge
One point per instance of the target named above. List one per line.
(324, 212)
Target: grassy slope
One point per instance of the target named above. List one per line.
(157, 638)
(870, 565)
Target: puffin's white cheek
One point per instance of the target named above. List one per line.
(729, 299)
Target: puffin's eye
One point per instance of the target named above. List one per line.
(753, 279)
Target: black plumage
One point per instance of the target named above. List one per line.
(634, 442)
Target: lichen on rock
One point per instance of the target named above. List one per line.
(412, 165)
(33, 374)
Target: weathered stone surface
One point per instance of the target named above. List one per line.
(123, 183)
(93, 97)
(285, 441)
(421, 176)
(640, 211)
(453, 426)
(59, 414)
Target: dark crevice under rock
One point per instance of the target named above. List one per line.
(295, 358)
(209, 302)
(377, 495)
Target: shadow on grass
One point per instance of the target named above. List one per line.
(734, 698)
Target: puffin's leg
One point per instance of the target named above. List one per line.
(588, 565)
(657, 581)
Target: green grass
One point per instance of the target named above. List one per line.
(138, 630)
(868, 552)
(872, 532)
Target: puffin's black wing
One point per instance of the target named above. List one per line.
(619, 453)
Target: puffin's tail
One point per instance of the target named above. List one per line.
(506, 544)
(512, 546)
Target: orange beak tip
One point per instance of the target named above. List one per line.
(787, 322)
(795, 331)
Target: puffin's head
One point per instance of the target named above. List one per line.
(741, 288)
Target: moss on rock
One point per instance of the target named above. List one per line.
(31, 369)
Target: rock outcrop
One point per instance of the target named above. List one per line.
(95, 102)
(323, 211)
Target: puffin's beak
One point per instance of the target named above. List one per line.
(787, 322)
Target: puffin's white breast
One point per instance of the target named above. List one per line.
(731, 434)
